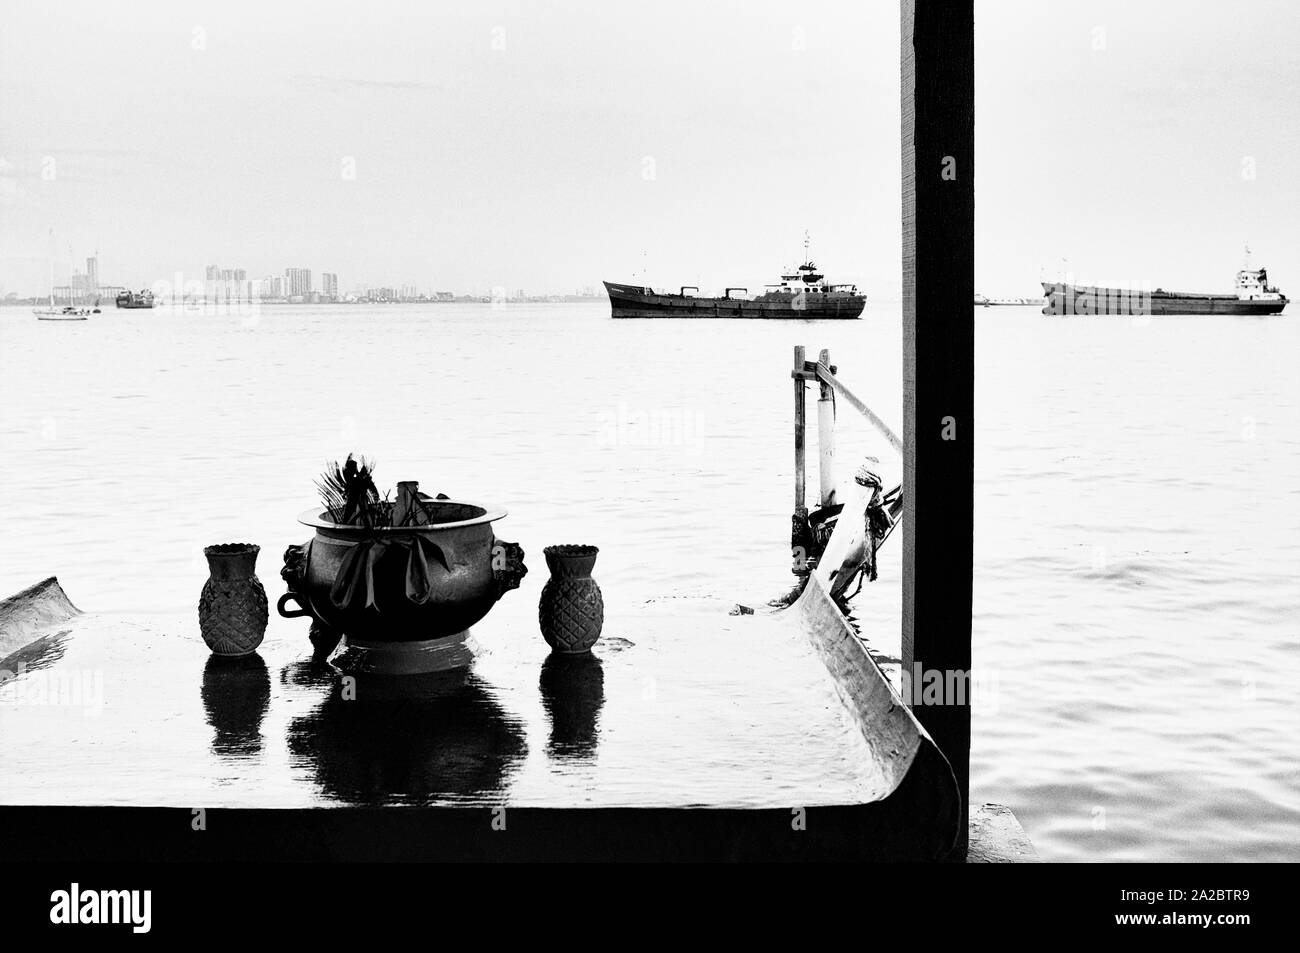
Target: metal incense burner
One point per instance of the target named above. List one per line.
(397, 600)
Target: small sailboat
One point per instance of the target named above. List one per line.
(66, 313)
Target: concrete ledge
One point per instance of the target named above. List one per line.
(26, 615)
(914, 777)
(996, 837)
(409, 834)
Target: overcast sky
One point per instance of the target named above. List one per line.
(546, 146)
(540, 145)
(1128, 159)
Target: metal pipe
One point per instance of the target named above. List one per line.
(824, 375)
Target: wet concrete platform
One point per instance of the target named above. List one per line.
(690, 706)
(728, 735)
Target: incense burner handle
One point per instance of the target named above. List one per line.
(284, 599)
(294, 575)
(508, 568)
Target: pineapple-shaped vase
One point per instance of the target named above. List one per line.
(232, 606)
(572, 610)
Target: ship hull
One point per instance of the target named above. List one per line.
(1064, 299)
(133, 305)
(635, 301)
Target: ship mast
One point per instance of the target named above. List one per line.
(51, 267)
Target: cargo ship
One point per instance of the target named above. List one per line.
(135, 299)
(802, 294)
(1253, 295)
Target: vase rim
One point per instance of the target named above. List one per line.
(315, 517)
(571, 549)
(231, 549)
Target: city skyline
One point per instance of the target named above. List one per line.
(219, 283)
(294, 284)
(476, 152)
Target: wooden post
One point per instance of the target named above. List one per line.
(799, 506)
(826, 436)
(938, 369)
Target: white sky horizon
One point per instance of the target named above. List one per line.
(548, 146)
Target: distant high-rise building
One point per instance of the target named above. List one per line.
(329, 284)
(226, 284)
(299, 281)
(272, 286)
(92, 274)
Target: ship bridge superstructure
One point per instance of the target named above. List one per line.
(806, 279)
(1252, 283)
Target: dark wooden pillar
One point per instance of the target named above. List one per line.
(938, 369)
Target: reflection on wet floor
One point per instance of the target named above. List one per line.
(236, 695)
(43, 653)
(685, 705)
(378, 739)
(573, 691)
(374, 739)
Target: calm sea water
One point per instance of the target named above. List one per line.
(1137, 508)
